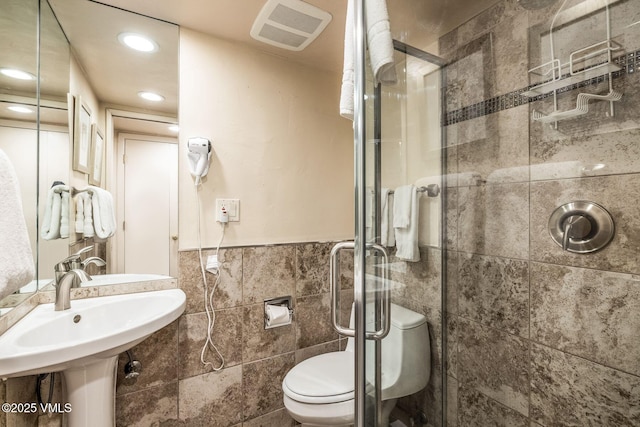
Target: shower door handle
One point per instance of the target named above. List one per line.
(334, 278)
(385, 302)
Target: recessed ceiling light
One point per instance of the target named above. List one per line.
(138, 42)
(20, 109)
(17, 74)
(150, 96)
(174, 128)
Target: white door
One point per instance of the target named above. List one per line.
(148, 211)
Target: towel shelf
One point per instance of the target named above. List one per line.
(584, 75)
(579, 68)
(582, 107)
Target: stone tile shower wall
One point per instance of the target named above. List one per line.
(537, 336)
(421, 291)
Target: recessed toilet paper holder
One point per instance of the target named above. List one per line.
(277, 312)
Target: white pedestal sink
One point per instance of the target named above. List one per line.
(83, 343)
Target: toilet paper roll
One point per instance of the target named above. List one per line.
(277, 315)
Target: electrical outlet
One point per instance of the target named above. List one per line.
(232, 206)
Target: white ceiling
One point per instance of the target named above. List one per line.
(117, 74)
(417, 22)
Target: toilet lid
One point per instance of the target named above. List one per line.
(327, 378)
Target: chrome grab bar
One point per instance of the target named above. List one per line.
(334, 278)
(385, 308)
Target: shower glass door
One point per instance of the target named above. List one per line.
(402, 268)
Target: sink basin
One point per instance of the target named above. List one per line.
(83, 343)
(95, 328)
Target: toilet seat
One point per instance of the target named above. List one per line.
(323, 379)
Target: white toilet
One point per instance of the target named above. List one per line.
(320, 390)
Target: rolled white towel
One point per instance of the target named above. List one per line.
(347, 90)
(79, 219)
(87, 227)
(381, 51)
(16, 259)
(104, 219)
(64, 215)
(52, 217)
(380, 42)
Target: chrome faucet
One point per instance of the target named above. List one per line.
(71, 262)
(74, 262)
(97, 261)
(63, 287)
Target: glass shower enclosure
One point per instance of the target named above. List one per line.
(522, 114)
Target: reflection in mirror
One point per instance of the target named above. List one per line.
(109, 73)
(54, 133)
(22, 137)
(106, 74)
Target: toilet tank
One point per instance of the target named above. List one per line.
(406, 354)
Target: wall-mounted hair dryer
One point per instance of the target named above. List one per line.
(199, 155)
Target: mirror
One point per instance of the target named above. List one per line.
(27, 141)
(101, 72)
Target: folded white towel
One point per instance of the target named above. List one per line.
(52, 218)
(87, 228)
(380, 46)
(388, 236)
(16, 259)
(79, 220)
(380, 42)
(64, 215)
(347, 90)
(104, 219)
(402, 206)
(405, 222)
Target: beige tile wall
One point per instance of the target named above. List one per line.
(176, 388)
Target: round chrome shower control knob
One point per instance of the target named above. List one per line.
(581, 227)
(576, 227)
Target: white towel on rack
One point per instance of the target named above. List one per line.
(87, 228)
(402, 206)
(347, 90)
(380, 42)
(84, 220)
(16, 260)
(64, 215)
(380, 46)
(405, 222)
(52, 218)
(79, 219)
(104, 219)
(387, 237)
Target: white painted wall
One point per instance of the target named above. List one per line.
(279, 145)
(80, 86)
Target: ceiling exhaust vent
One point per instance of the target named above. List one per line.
(289, 24)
